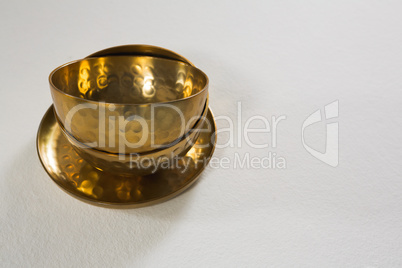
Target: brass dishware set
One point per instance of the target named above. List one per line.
(130, 126)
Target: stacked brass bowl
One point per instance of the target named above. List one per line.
(126, 110)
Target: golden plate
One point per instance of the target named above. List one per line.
(140, 50)
(83, 181)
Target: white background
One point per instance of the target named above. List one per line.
(276, 57)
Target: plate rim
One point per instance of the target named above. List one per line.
(132, 204)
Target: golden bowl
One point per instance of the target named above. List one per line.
(128, 104)
(140, 163)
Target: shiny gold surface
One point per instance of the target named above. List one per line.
(128, 164)
(166, 94)
(74, 175)
(140, 50)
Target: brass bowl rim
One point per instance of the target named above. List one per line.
(196, 126)
(128, 104)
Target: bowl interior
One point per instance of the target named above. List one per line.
(128, 79)
(187, 139)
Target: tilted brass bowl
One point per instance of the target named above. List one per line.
(128, 104)
(141, 163)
